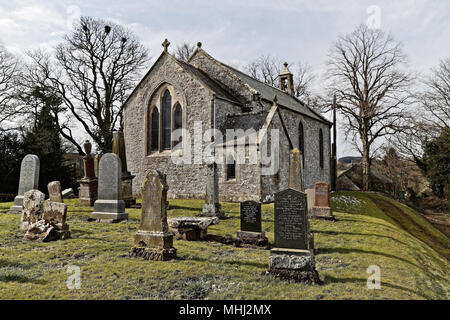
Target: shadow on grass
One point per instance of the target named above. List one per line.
(331, 280)
(177, 207)
(240, 262)
(354, 250)
(20, 279)
(5, 263)
(336, 233)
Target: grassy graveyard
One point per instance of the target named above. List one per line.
(370, 230)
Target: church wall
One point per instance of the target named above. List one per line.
(312, 171)
(245, 187)
(183, 180)
(224, 77)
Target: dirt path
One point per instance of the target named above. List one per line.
(404, 220)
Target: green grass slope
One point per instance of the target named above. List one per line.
(366, 233)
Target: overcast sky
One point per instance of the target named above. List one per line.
(238, 31)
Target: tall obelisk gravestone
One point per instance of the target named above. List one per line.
(154, 240)
(109, 207)
(212, 207)
(127, 178)
(29, 180)
(89, 182)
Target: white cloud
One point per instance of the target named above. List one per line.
(237, 31)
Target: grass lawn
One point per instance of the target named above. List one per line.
(370, 230)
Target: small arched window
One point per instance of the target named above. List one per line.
(301, 141)
(166, 110)
(321, 148)
(154, 125)
(231, 168)
(178, 123)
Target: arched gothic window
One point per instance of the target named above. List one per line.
(301, 141)
(154, 144)
(321, 148)
(177, 123)
(166, 112)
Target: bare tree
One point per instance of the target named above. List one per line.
(431, 115)
(364, 68)
(9, 76)
(265, 69)
(184, 51)
(303, 78)
(95, 69)
(436, 98)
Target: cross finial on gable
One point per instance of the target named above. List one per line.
(165, 44)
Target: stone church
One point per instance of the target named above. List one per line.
(179, 95)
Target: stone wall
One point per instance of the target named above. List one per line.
(188, 180)
(196, 104)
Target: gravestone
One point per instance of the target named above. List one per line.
(291, 220)
(321, 208)
(127, 178)
(33, 203)
(292, 256)
(295, 180)
(251, 229)
(212, 207)
(154, 240)
(109, 207)
(68, 193)
(29, 180)
(52, 226)
(54, 191)
(89, 183)
(310, 199)
(191, 228)
(96, 162)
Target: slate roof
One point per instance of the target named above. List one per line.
(244, 121)
(268, 93)
(208, 82)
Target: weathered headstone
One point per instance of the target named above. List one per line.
(310, 198)
(109, 207)
(54, 191)
(292, 256)
(154, 240)
(29, 180)
(96, 162)
(68, 193)
(191, 228)
(295, 180)
(321, 208)
(33, 204)
(251, 226)
(212, 207)
(127, 178)
(89, 182)
(52, 226)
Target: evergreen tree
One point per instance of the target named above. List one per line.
(435, 164)
(43, 139)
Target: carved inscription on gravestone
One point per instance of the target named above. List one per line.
(290, 220)
(251, 216)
